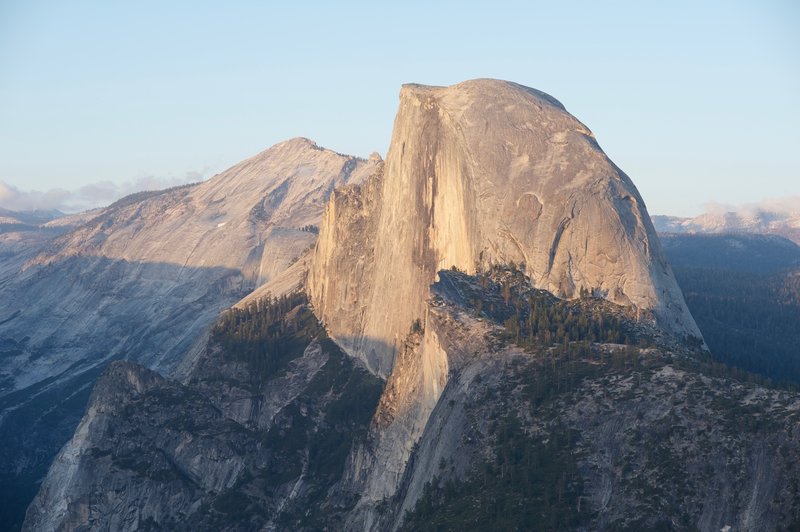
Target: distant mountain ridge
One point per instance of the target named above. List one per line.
(744, 291)
(34, 217)
(749, 252)
(784, 221)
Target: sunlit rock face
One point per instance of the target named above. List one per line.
(249, 218)
(485, 172)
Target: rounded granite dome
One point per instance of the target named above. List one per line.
(489, 172)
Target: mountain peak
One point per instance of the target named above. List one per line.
(288, 146)
(297, 142)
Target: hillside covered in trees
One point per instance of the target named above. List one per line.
(744, 293)
(602, 423)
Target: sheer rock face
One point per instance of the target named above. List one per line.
(485, 172)
(343, 268)
(233, 447)
(66, 500)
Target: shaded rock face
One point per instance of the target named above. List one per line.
(236, 446)
(485, 172)
(185, 466)
(142, 279)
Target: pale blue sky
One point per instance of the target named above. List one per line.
(696, 101)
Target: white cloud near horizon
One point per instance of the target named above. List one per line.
(784, 205)
(88, 196)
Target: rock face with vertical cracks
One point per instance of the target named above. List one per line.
(478, 173)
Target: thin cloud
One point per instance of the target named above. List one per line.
(88, 196)
(789, 205)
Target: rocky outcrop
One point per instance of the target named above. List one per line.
(343, 265)
(185, 464)
(485, 172)
(237, 446)
(599, 437)
(433, 352)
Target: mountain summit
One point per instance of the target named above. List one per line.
(485, 172)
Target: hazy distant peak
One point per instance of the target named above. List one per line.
(265, 200)
(298, 143)
(28, 217)
(302, 147)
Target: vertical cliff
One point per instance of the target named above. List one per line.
(480, 173)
